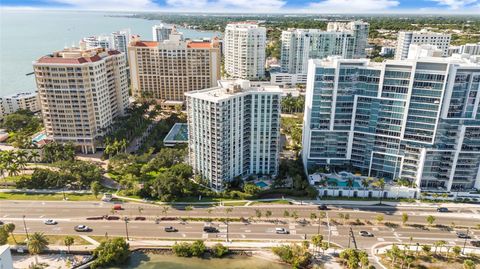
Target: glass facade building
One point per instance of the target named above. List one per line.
(416, 119)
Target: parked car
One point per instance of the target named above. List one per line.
(322, 207)
(442, 209)
(82, 228)
(50, 222)
(365, 234)
(170, 229)
(139, 218)
(281, 231)
(112, 218)
(463, 235)
(475, 243)
(107, 197)
(117, 207)
(210, 229)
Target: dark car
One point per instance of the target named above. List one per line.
(322, 207)
(463, 235)
(140, 218)
(113, 218)
(82, 228)
(475, 243)
(442, 209)
(365, 234)
(170, 229)
(210, 229)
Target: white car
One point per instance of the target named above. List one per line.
(281, 231)
(50, 222)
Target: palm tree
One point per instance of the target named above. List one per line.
(350, 183)
(317, 241)
(268, 213)
(165, 210)
(258, 213)
(9, 228)
(439, 244)
(68, 241)
(430, 219)
(34, 155)
(365, 184)
(37, 243)
(381, 185)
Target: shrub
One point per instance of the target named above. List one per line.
(198, 248)
(110, 252)
(219, 250)
(182, 249)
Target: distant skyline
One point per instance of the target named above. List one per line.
(258, 6)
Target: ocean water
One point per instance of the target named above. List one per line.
(27, 35)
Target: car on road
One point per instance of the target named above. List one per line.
(475, 243)
(463, 235)
(365, 234)
(281, 231)
(442, 209)
(82, 228)
(322, 207)
(117, 207)
(210, 229)
(112, 217)
(170, 229)
(50, 222)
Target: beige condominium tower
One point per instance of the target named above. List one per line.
(81, 92)
(166, 70)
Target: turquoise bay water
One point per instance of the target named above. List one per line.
(140, 260)
(26, 35)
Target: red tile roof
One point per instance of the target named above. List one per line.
(79, 60)
(145, 44)
(199, 45)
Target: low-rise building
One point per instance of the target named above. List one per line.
(287, 79)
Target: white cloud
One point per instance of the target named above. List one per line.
(456, 4)
(253, 4)
(132, 5)
(351, 6)
(187, 3)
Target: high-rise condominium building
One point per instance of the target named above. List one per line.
(101, 41)
(300, 45)
(360, 32)
(81, 92)
(417, 119)
(470, 48)
(405, 39)
(245, 50)
(166, 70)
(120, 40)
(25, 100)
(234, 131)
(161, 32)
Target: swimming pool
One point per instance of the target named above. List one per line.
(261, 184)
(39, 137)
(341, 183)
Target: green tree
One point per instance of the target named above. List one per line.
(456, 251)
(286, 214)
(426, 249)
(37, 243)
(404, 218)
(68, 241)
(219, 250)
(3, 237)
(317, 241)
(198, 248)
(95, 188)
(9, 228)
(379, 218)
(381, 185)
(258, 213)
(430, 219)
(468, 264)
(268, 213)
(111, 252)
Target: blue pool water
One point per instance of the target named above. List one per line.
(261, 184)
(39, 137)
(342, 183)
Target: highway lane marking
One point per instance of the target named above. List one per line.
(243, 236)
(380, 239)
(204, 235)
(184, 235)
(451, 242)
(5, 216)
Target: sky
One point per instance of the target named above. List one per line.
(258, 6)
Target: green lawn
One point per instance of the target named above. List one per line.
(52, 239)
(280, 202)
(46, 197)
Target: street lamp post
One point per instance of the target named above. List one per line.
(126, 227)
(25, 227)
(465, 242)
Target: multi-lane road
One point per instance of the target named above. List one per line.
(69, 214)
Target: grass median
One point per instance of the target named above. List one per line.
(46, 196)
(54, 240)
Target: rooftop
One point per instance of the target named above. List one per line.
(190, 44)
(229, 88)
(76, 55)
(21, 95)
